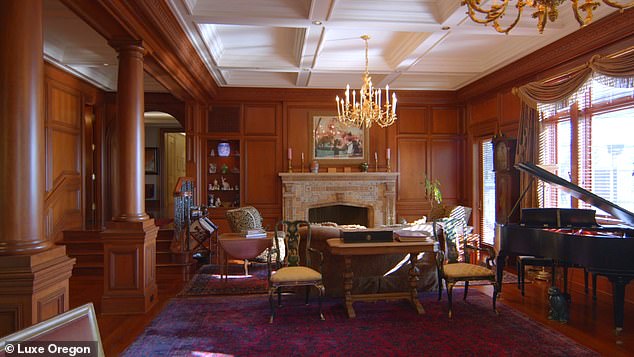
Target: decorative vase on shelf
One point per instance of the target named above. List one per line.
(224, 168)
(224, 149)
(314, 166)
(363, 167)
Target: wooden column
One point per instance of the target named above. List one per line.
(34, 272)
(130, 237)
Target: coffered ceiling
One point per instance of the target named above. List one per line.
(415, 44)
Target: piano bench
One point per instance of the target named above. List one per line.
(524, 260)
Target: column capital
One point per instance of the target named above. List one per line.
(121, 45)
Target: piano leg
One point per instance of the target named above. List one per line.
(618, 291)
(499, 271)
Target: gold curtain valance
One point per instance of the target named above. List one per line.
(616, 70)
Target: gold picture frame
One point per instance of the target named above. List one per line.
(334, 143)
(151, 161)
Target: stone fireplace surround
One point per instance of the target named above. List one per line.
(375, 191)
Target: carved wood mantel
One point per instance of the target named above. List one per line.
(373, 190)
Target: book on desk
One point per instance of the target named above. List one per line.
(255, 233)
(403, 235)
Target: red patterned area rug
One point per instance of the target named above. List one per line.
(207, 281)
(239, 326)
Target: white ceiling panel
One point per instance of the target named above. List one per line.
(238, 78)
(431, 81)
(340, 79)
(415, 44)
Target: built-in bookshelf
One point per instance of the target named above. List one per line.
(223, 174)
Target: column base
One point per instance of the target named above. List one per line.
(129, 267)
(33, 288)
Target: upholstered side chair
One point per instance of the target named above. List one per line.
(454, 268)
(292, 269)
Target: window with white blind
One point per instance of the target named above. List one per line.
(590, 144)
(488, 192)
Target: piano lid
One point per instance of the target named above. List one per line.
(578, 192)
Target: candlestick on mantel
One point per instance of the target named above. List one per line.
(290, 165)
(388, 154)
(302, 167)
(388, 168)
(376, 162)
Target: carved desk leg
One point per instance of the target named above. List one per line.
(347, 286)
(413, 283)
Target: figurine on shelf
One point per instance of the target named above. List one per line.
(218, 202)
(224, 168)
(215, 186)
(237, 188)
(211, 200)
(212, 168)
(225, 184)
(212, 152)
(235, 170)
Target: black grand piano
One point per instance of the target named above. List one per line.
(573, 237)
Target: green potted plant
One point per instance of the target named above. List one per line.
(434, 195)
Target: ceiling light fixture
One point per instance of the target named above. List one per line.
(368, 109)
(545, 10)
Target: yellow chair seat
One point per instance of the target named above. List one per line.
(295, 274)
(465, 270)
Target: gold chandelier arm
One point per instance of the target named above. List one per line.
(619, 5)
(575, 8)
(506, 30)
(493, 14)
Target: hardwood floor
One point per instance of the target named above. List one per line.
(590, 324)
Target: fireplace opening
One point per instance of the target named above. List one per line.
(340, 214)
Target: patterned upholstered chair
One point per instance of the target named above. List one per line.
(452, 267)
(293, 267)
(243, 219)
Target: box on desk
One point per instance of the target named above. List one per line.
(366, 236)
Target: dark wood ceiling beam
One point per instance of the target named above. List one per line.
(171, 58)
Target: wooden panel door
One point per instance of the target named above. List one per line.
(445, 167)
(261, 169)
(412, 158)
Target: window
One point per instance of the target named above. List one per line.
(590, 144)
(488, 192)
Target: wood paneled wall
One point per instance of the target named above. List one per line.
(65, 99)
(428, 139)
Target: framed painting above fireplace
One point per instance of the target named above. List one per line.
(332, 142)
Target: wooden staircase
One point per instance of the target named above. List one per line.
(87, 248)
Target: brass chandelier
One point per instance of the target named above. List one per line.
(367, 110)
(544, 10)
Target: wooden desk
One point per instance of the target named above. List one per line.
(347, 250)
(238, 246)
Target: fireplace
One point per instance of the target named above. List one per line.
(373, 192)
(340, 214)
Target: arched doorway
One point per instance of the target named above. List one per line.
(165, 143)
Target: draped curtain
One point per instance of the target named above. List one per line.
(615, 70)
